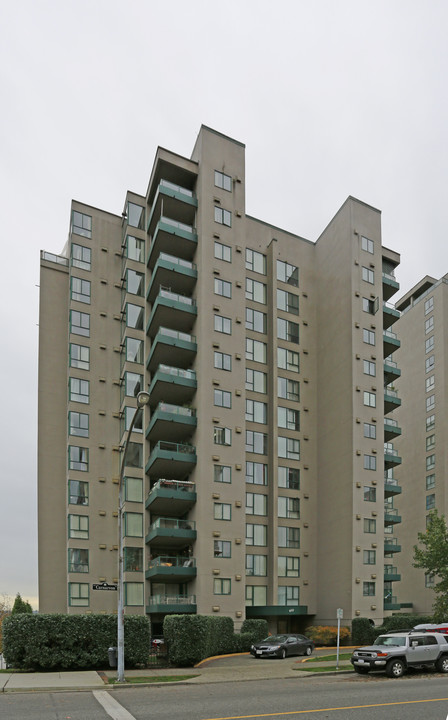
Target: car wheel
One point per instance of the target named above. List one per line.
(361, 670)
(442, 664)
(283, 654)
(308, 650)
(395, 668)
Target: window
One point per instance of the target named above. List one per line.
(79, 323)
(135, 282)
(370, 430)
(135, 215)
(223, 287)
(368, 336)
(288, 507)
(133, 383)
(223, 217)
(81, 224)
(256, 411)
(288, 418)
(255, 291)
(78, 390)
(289, 478)
(127, 420)
(256, 442)
(133, 559)
(430, 422)
(78, 527)
(256, 381)
(288, 302)
(223, 398)
(255, 261)
(78, 492)
(429, 344)
(369, 525)
(288, 360)
(134, 458)
(287, 595)
(256, 535)
(368, 588)
(369, 368)
(135, 248)
(429, 305)
(222, 361)
(78, 594)
(223, 324)
(133, 489)
(368, 306)
(81, 256)
(79, 356)
(430, 363)
(288, 389)
(133, 594)
(78, 560)
(430, 442)
(256, 473)
(256, 350)
(133, 524)
(256, 504)
(222, 586)
(369, 399)
(223, 252)
(223, 181)
(256, 565)
(222, 473)
(78, 458)
(288, 448)
(256, 321)
(288, 330)
(78, 424)
(256, 595)
(287, 273)
(369, 493)
(430, 462)
(222, 436)
(430, 403)
(222, 511)
(430, 501)
(366, 244)
(288, 566)
(80, 290)
(429, 324)
(369, 462)
(430, 383)
(429, 580)
(368, 275)
(430, 481)
(133, 350)
(222, 549)
(134, 316)
(369, 557)
(289, 537)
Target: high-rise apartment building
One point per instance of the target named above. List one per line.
(422, 387)
(254, 484)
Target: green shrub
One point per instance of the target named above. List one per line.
(65, 642)
(258, 629)
(242, 642)
(363, 632)
(402, 622)
(186, 638)
(327, 634)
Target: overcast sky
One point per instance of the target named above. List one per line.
(331, 97)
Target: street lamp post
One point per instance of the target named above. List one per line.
(142, 400)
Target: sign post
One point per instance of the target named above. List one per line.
(339, 615)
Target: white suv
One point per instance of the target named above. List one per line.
(396, 652)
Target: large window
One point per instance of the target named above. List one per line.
(256, 565)
(81, 256)
(78, 594)
(222, 549)
(133, 489)
(80, 290)
(430, 481)
(369, 557)
(223, 217)
(78, 560)
(256, 381)
(222, 436)
(429, 305)
(368, 336)
(429, 324)
(135, 282)
(366, 244)
(430, 422)
(430, 403)
(223, 287)
(287, 273)
(288, 330)
(223, 181)
(288, 566)
(368, 275)
(255, 291)
(256, 350)
(289, 537)
(222, 473)
(369, 368)
(133, 559)
(134, 316)
(79, 356)
(430, 501)
(369, 399)
(369, 462)
(288, 389)
(368, 588)
(223, 324)
(81, 224)
(287, 595)
(256, 411)
(135, 215)
(430, 383)
(256, 535)
(78, 527)
(78, 492)
(288, 360)
(255, 261)
(256, 473)
(133, 594)
(288, 448)
(133, 383)
(369, 525)
(223, 252)
(78, 424)
(256, 504)
(78, 390)
(79, 323)
(429, 344)
(289, 478)
(222, 398)
(222, 586)
(133, 524)
(256, 320)
(135, 248)
(78, 458)
(288, 507)
(430, 462)
(222, 361)
(256, 595)
(368, 306)
(288, 418)
(256, 442)
(369, 493)
(430, 363)
(288, 302)
(134, 457)
(134, 350)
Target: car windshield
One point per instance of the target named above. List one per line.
(387, 640)
(275, 639)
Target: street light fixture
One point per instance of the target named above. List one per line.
(142, 400)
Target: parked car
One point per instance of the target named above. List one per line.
(282, 646)
(396, 652)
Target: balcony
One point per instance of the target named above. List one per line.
(391, 574)
(170, 345)
(174, 238)
(391, 458)
(390, 603)
(391, 400)
(391, 546)
(169, 459)
(171, 271)
(172, 384)
(390, 342)
(391, 429)
(167, 568)
(390, 285)
(391, 488)
(171, 422)
(57, 259)
(171, 604)
(391, 517)
(169, 308)
(171, 497)
(174, 201)
(390, 315)
(391, 371)
(171, 532)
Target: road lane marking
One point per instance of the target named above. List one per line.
(111, 706)
(331, 709)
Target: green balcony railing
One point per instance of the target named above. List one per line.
(172, 600)
(171, 561)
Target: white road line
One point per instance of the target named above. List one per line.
(111, 706)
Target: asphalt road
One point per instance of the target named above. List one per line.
(413, 697)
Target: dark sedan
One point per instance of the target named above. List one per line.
(282, 646)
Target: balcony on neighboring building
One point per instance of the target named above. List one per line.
(171, 568)
(174, 238)
(171, 459)
(178, 604)
(171, 271)
(391, 370)
(391, 516)
(391, 400)
(390, 285)
(391, 545)
(169, 308)
(391, 488)
(391, 457)
(391, 429)
(174, 201)
(171, 497)
(172, 384)
(171, 422)
(390, 342)
(177, 348)
(391, 603)
(391, 574)
(171, 533)
(390, 315)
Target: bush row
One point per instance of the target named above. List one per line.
(327, 634)
(364, 633)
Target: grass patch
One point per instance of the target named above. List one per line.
(325, 668)
(153, 679)
(329, 658)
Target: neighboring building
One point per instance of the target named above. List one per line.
(254, 483)
(423, 389)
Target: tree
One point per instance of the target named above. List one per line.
(21, 606)
(5, 610)
(433, 559)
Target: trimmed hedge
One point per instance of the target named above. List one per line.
(49, 642)
(364, 633)
(258, 629)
